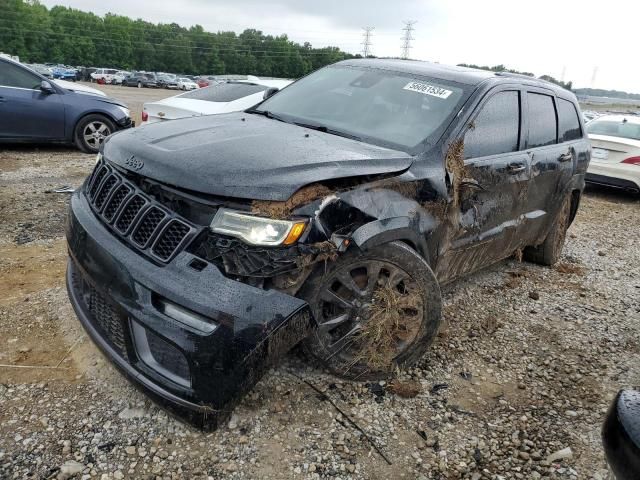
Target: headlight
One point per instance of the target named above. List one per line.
(124, 110)
(257, 230)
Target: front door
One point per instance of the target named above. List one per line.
(489, 188)
(26, 112)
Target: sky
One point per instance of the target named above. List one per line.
(590, 43)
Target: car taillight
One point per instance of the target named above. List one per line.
(632, 161)
(145, 116)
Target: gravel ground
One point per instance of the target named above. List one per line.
(516, 385)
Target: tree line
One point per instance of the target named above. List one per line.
(77, 38)
(502, 68)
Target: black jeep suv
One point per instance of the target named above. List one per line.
(329, 215)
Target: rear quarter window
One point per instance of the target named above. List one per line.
(568, 121)
(224, 92)
(543, 126)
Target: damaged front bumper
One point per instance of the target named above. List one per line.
(191, 338)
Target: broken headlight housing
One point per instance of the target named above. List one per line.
(257, 230)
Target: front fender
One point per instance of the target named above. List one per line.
(388, 230)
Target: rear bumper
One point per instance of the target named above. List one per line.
(197, 373)
(614, 175)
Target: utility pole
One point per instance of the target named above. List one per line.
(406, 40)
(366, 43)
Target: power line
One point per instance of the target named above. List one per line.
(366, 43)
(406, 39)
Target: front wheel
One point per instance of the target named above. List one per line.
(91, 131)
(375, 311)
(139, 84)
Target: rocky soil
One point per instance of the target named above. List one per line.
(516, 385)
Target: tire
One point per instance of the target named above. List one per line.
(549, 251)
(393, 315)
(91, 132)
(139, 84)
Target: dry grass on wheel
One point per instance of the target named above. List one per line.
(394, 317)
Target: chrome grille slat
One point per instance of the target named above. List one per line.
(135, 217)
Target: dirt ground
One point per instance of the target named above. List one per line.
(525, 366)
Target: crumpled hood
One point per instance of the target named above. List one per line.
(246, 156)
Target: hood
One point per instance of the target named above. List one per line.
(246, 156)
(78, 88)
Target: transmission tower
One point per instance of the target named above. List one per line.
(406, 39)
(366, 43)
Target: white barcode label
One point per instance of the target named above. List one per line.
(428, 89)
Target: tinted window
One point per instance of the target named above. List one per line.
(496, 129)
(15, 76)
(542, 120)
(568, 122)
(619, 127)
(224, 92)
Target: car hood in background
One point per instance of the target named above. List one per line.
(78, 88)
(246, 156)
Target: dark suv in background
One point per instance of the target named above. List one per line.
(140, 80)
(204, 248)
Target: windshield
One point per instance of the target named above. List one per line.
(614, 128)
(382, 106)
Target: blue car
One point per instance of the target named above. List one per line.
(63, 73)
(34, 109)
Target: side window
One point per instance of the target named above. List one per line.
(568, 122)
(14, 76)
(542, 120)
(496, 129)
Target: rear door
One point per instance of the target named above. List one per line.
(552, 164)
(489, 187)
(26, 112)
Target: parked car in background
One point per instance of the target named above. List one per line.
(37, 110)
(106, 75)
(119, 77)
(167, 80)
(206, 81)
(220, 98)
(141, 80)
(329, 214)
(64, 73)
(589, 115)
(615, 151)
(185, 83)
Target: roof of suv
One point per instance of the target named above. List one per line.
(465, 75)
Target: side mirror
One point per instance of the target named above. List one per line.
(269, 92)
(46, 87)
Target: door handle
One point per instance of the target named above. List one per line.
(516, 167)
(565, 157)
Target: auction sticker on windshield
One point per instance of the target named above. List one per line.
(428, 89)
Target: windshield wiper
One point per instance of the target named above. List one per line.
(331, 131)
(268, 114)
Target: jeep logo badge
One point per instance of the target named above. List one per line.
(134, 163)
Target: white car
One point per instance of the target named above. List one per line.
(119, 77)
(615, 151)
(186, 84)
(106, 74)
(221, 98)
